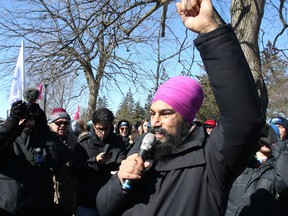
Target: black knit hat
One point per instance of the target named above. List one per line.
(268, 135)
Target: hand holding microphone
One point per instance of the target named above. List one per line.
(135, 164)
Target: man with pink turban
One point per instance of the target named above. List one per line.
(183, 175)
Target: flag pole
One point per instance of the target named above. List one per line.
(23, 74)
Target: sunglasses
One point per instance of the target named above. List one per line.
(123, 128)
(209, 127)
(59, 123)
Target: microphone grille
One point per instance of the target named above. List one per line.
(148, 141)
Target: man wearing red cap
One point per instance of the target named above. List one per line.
(183, 175)
(209, 125)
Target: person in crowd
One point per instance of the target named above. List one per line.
(74, 127)
(29, 150)
(280, 126)
(262, 189)
(96, 155)
(182, 175)
(64, 183)
(144, 127)
(137, 125)
(134, 133)
(59, 121)
(209, 125)
(90, 125)
(124, 130)
(83, 128)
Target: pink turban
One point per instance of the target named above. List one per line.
(182, 93)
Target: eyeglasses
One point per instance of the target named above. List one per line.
(102, 129)
(59, 123)
(123, 128)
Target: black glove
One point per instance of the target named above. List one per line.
(18, 110)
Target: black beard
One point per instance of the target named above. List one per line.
(163, 149)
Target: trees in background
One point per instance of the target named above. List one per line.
(94, 39)
(275, 73)
(111, 44)
(131, 110)
(209, 108)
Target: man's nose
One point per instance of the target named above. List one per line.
(155, 121)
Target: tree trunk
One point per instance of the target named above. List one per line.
(94, 82)
(246, 17)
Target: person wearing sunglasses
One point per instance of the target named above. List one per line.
(59, 121)
(124, 129)
(65, 186)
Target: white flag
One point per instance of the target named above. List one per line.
(18, 82)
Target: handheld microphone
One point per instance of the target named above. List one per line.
(147, 143)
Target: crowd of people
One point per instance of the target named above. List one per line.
(233, 165)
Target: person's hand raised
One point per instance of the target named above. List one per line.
(18, 110)
(197, 15)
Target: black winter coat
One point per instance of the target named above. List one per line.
(27, 184)
(195, 179)
(91, 176)
(262, 191)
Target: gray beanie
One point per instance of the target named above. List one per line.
(58, 113)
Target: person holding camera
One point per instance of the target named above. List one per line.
(29, 151)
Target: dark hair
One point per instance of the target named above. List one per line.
(103, 116)
(82, 126)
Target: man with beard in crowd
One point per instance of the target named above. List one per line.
(185, 176)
